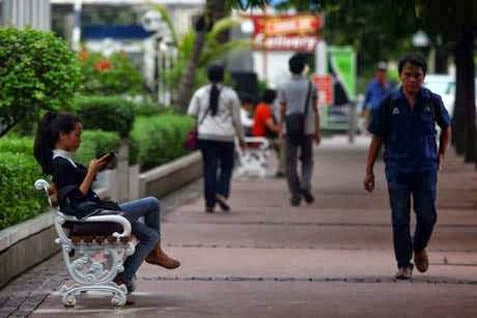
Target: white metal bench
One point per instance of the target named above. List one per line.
(253, 161)
(92, 260)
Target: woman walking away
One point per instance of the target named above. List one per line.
(217, 110)
(58, 136)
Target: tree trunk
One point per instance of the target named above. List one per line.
(215, 10)
(186, 85)
(441, 64)
(465, 140)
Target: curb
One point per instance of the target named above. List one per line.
(29, 243)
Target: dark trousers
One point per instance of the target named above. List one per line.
(218, 163)
(421, 187)
(304, 151)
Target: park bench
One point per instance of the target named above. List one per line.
(253, 161)
(93, 249)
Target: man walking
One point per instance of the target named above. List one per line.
(378, 88)
(405, 123)
(298, 99)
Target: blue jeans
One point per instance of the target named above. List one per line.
(218, 163)
(421, 187)
(148, 232)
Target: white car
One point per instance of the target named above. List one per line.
(443, 85)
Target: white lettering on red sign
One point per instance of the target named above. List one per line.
(287, 43)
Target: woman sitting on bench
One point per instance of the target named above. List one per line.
(58, 136)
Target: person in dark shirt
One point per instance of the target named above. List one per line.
(405, 122)
(58, 136)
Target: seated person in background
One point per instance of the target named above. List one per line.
(246, 111)
(265, 125)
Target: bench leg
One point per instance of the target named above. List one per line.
(92, 273)
(69, 293)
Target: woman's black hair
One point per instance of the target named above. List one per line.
(216, 74)
(48, 133)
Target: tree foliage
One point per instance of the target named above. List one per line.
(37, 71)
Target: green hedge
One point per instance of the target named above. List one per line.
(160, 139)
(95, 143)
(106, 113)
(19, 200)
(16, 145)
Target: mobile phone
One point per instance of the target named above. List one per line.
(109, 156)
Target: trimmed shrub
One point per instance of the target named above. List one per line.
(19, 200)
(148, 109)
(16, 145)
(113, 75)
(160, 138)
(95, 143)
(105, 113)
(37, 71)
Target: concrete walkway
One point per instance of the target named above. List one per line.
(333, 258)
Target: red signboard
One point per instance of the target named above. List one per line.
(324, 84)
(286, 32)
(287, 25)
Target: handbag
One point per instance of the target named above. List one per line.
(191, 141)
(81, 209)
(295, 123)
(92, 207)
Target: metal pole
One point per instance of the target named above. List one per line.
(352, 123)
(76, 37)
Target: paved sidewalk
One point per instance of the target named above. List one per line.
(266, 259)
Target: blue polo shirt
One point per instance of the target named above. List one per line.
(375, 93)
(409, 136)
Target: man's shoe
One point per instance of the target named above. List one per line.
(421, 260)
(222, 201)
(209, 209)
(295, 201)
(404, 273)
(309, 198)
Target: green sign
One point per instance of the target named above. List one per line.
(343, 61)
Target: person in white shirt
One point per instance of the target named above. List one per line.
(217, 109)
(246, 113)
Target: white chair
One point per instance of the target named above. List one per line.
(92, 260)
(253, 161)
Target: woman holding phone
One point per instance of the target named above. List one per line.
(58, 136)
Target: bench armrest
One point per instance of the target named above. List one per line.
(104, 218)
(41, 184)
(261, 141)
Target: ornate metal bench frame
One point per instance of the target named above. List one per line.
(97, 260)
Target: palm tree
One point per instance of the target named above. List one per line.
(214, 11)
(197, 50)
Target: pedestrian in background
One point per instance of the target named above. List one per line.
(298, 96)
(378, 88)
(218, 108)
(246, 113)
(405, 123)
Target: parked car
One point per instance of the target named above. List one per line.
(442, 84)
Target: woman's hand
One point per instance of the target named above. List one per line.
(96, 165)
